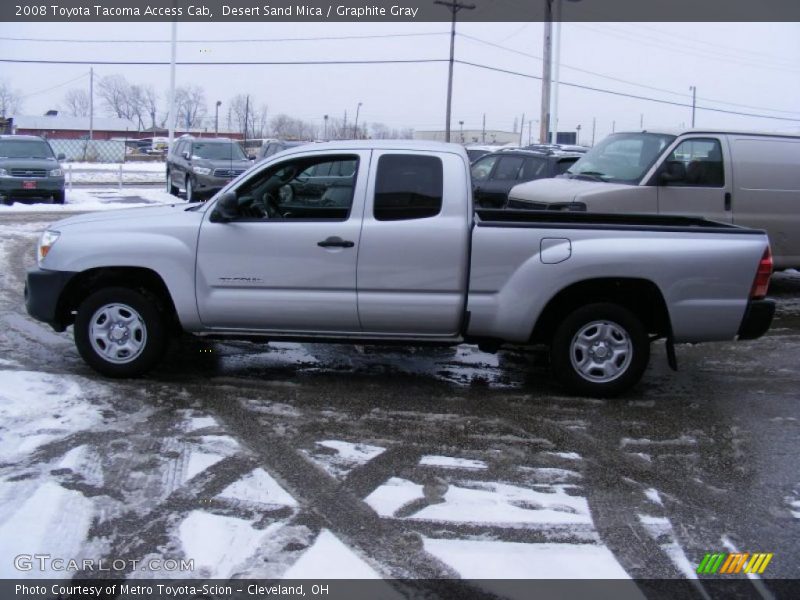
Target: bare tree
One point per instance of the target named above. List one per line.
(380, 131)
(150, 103)
(115, 92)
(190, 105)
(10, 99)
(76, 102)
(286, 127)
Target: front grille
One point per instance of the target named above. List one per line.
(228, 172)
(28, 173)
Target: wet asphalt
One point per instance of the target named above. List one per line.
(718, 440)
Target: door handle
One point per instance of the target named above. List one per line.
(335, 242)
(727, 200)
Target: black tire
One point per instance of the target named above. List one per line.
(588, 372)
(171, 189)
(151, 345)
(58, 197)
(191, 195)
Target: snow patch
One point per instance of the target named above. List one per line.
(329, 558)
(259, 486)
(448, 462)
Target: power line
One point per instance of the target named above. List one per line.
(227, 41)
(623, 94)
(224, 63)
(617, 79)
(55, 86)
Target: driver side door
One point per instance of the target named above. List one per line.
(282, 266)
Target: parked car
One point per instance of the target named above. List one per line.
(558, 148)
(474, 151)
(493, 175)
(750, 179)
(406, 259)
(203, 166)
(29, 169)
(270, 147)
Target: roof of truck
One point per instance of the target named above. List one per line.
(387, 145)
(697, 130)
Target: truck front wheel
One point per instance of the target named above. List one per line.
(600, 350)
(120, 332)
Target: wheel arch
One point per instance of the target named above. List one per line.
(144, 280)
(640, 296)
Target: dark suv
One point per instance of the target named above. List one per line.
(203, 166)
(493, 175)
(29, 169)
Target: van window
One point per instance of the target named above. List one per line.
(408, 187)
(702, 161)
(621, 157)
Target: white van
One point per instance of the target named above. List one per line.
(750, 179)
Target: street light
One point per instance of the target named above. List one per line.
(325, 130)
(355, 126)
(461, 129)
(216, 118)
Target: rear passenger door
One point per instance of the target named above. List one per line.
(413, 256)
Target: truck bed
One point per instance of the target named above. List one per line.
(612, 221)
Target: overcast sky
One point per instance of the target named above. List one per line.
(747, 67)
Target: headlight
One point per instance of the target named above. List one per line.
(46, 242)
(202, 170)
(56, 173)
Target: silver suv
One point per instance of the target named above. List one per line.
(203, 166)
(29, 169)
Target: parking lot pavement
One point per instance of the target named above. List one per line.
(413, 462)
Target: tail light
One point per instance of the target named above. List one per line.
(761, 282)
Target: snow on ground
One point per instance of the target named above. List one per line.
(329, 558)
(37, 408)
(448, 462)
(134, 172)
(98, 199)
(482, 502)
(219, 544)
(127, 167)
(338, 458)
(513, 560)
(259, 486)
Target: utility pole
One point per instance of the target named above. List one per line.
(530, 131)
(556, 73)
(547, 60)
(344, 125)
(641, 121)
(521, 128)
(91, 103)
(171, 113)
(694, 101)
(454, 7)
(355, 126)
(483, 131)
(246, 113)
(594, 126)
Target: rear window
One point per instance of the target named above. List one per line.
(408, 186)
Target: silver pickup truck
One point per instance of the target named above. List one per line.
(375, 242)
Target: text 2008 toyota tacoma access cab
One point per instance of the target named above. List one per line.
(378, 241)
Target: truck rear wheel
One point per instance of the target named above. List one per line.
(120, 332)
(600, 350)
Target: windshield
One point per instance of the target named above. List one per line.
(217, 151)
(25, 149)
(621, 157)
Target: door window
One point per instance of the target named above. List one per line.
(293, 190)
(534, 168)
(508, 168)
(481, 169)
(408, 186)
(697, 162)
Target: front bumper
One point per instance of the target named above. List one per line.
(43, 291)
(757, 319)
(209, 183)
(12, 187)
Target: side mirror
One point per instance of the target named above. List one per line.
(61, 156)
(674, 171)
(187, 156)
(226, 209)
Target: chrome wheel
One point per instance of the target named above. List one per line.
(601, 351)
(117, 333)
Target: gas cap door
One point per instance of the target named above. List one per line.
(554, 250)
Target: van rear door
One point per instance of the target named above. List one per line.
(767, 191)
(700, 182)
